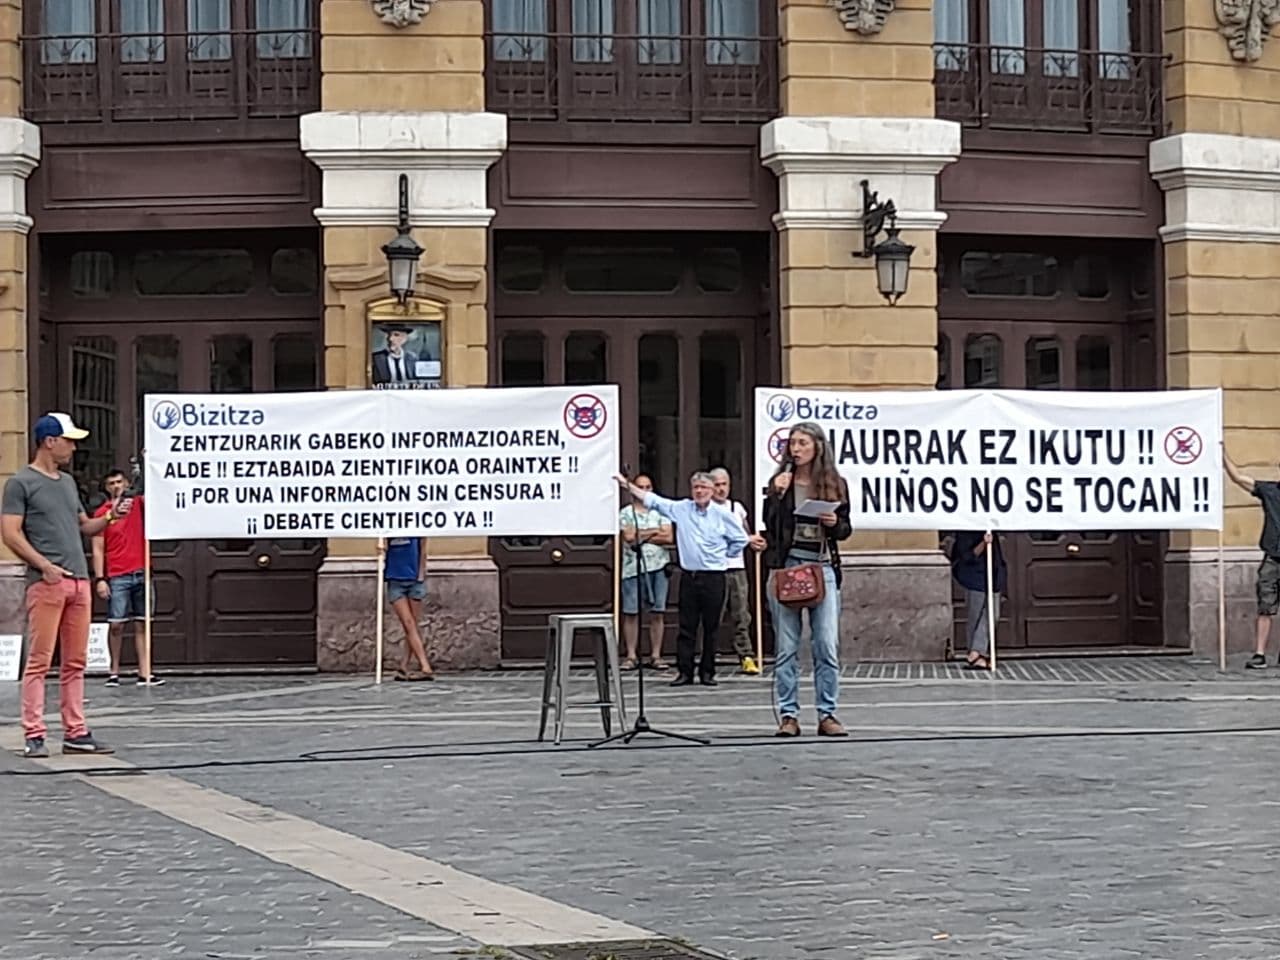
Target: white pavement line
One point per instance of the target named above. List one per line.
(485, 911)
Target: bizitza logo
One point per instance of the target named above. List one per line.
(166, 414)
(780, 408)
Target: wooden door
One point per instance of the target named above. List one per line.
(683, 387)
(244, 602)
(1066, 589)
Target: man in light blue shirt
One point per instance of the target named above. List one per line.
(706, 537)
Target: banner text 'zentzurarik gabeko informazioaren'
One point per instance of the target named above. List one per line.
(372, 463)
(1012, 459)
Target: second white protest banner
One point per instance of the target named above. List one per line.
(1012, 459)
(364, 463)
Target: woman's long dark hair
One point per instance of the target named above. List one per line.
(824, 479)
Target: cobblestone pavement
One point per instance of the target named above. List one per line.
(1018, 818)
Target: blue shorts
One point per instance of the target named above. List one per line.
(128, 600)
(402, 589)
(655, 592)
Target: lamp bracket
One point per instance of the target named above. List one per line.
(874, 216)
(404, 228)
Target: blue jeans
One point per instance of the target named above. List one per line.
(824, 629)
(128, 600)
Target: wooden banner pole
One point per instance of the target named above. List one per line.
(382, 599)
(759, 611)
(147, 591)
(617, 594)
(1222, 607)
(991, 601)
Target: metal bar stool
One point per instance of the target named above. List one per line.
(561, 630)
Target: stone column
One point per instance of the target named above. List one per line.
(1222, 267)
(860, 106)
(1220, 171)
(19, 154)
(405, 98)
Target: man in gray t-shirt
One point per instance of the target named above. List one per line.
(42, 521)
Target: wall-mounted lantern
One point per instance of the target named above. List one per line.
(403, 252)
(892, 255)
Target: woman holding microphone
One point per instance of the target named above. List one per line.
(806, 515)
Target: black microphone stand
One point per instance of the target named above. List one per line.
(642, 722)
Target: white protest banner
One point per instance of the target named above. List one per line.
(373, 463)
(1012, 459)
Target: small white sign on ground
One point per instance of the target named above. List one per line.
(99, 660)
(10, 655)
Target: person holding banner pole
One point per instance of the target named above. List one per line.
(1268, 584)
(969, 567)
(120, 574)
(806, 515)
(405, 573)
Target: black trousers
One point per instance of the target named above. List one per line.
(701, 602)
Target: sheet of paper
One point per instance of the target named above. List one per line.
(815, 508)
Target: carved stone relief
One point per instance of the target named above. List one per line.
(866, 17)
(401, 13)
(1246, 24)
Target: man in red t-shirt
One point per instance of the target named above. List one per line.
(119, 570)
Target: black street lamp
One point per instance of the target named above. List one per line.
(403, 252)
(893, 256)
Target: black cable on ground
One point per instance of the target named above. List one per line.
(476, 749)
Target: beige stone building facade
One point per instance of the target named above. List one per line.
(664, 194)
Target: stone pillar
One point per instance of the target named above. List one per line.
(405, 98)
(19, 154)
(860, 106)
(1222, 267)
(1220, 171)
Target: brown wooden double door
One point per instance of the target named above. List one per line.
(238, 601)
(1096, 588)
(684, 392)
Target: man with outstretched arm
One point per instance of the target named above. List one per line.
(706, 536)
(42, 521)
(1268, 585)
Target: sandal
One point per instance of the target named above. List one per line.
(400, 674)
(418, 675)
(658, 664)
(629, 664)
(978, 663)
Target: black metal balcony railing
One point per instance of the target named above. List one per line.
(223, 74)
(621, 78)
(1026, 88)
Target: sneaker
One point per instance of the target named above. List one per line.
(113, 681)
(35, 748)
(1257, 662)
(84, 744)
(749, 667)
(153, 682)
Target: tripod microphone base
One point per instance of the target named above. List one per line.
(642, 726)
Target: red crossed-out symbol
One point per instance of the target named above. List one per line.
(1183, 445)
(585, 415)
(778, 443)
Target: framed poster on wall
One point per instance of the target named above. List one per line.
(406, 345)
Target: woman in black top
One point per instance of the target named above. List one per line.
(807, 473)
